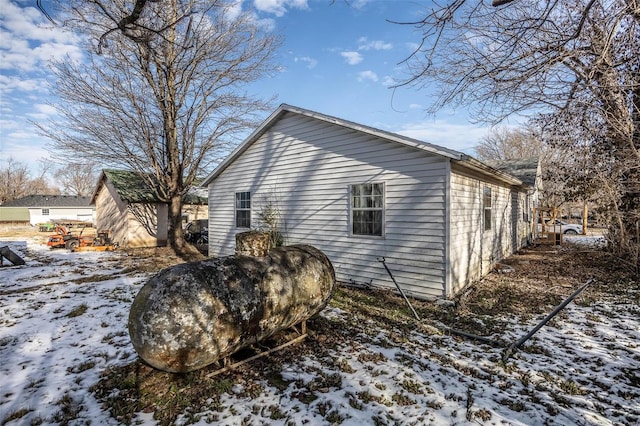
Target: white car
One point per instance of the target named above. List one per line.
(564, 227)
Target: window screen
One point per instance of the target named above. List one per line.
(243, 209)
(486, 204)
(367, 209)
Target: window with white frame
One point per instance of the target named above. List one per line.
(367, 209)
(486, 205)
(45, 212)
(243, 209)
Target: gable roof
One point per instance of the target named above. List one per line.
(283, 109)
(133, 188)
(130, 186)
(39, 201)
(526, 169)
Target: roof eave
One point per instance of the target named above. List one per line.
(244, 145)
(478, 166)
(283, 108)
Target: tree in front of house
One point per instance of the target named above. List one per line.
(506, 143)
(164, 97)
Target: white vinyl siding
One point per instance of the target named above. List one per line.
(474, 249)
(45, 214)
(308, 167)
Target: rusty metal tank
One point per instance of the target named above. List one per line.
(191, 315)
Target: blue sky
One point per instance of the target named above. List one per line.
(337, 59)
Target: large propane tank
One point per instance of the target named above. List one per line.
(191, 315)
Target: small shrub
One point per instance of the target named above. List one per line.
(84, 366)
(412, 387)
(570, 387)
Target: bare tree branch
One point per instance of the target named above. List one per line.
(165, 105)
(574, 61)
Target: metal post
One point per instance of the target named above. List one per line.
(509, 351)
(383, 261)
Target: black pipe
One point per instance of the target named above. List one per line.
(509, 351)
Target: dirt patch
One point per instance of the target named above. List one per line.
(544, 276)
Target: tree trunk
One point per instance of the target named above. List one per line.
(176, 233)
(585, 213)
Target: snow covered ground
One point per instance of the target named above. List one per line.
(63, 323)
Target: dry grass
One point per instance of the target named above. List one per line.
(542, 278)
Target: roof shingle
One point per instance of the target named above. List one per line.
(50, 201)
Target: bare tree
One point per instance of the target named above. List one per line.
(16, 182)
(504, 143)
(574, 61)
(165, 103)
(77, 178)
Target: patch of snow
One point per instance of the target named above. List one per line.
(63, 321)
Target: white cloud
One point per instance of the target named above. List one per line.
(14, 83)
(8, 124)
(367, 75)
(233, 10)
(311, 63)
(20, 134)
(412, 47)
(388, 81)
(42, 111)
(358, 4)
(13, 146)
(459, 137)
(28, 40)
(365, 44)
(279, 7)
(352, 58)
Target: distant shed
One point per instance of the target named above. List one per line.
(14, 215)
(128, 208)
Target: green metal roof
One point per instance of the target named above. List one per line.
(133, 188)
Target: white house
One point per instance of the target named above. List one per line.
(440, 218)
(52, 208)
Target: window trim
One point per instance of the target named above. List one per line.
(487, 207)
(381, 209)
(236, 209)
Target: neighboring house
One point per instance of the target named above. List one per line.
(128, 208)
(49, 208)
(440, 218)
